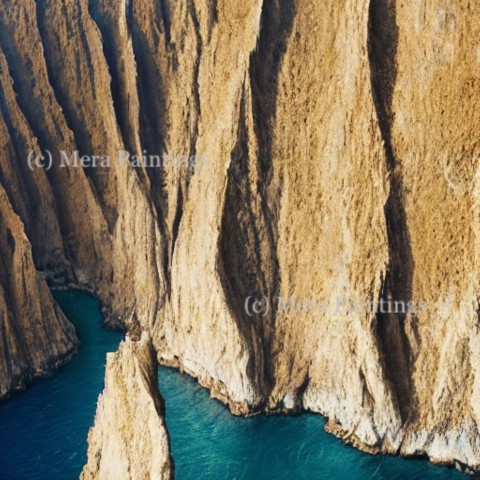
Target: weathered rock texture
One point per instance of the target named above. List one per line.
(35, 336)
(129, 439)
(343, 166)
(89, 228)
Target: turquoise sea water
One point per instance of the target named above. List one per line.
(43, 432)
(210, 444)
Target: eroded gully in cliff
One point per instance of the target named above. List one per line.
(392, 340)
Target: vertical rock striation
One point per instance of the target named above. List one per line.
(109, 241)
(433, 122)
(341, 166)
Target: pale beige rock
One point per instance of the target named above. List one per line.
(129, 440)
(436, 145)
(343, 165)
(201, 330)
(332, 184)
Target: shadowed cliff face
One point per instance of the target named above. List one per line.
(342, 151)
(395, 347)
(35, 336)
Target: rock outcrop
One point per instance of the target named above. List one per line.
(107, 237)
(341, 168)
(129, 439)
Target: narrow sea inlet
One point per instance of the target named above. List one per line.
(43, 432)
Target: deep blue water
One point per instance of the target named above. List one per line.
(43, 432)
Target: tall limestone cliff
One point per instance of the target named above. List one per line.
(107, 237)
(341, 165)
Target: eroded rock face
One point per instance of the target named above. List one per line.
(327, 175)
(35, 336)
(432, 124)
(107, 236)
(129, 439)
(343, 167)
(93, 229)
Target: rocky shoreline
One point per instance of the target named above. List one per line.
(343, 162)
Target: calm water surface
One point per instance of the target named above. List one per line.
(43, 432)
(209, 443)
